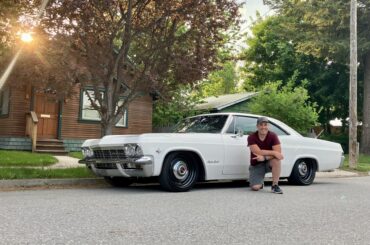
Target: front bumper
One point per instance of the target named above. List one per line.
(128, 167)
(341, 161)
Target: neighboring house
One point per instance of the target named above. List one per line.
(28, 114)
(226, 103)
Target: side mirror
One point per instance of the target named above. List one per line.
(240, 132)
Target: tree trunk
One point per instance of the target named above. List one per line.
(106, 129)
(365, 137)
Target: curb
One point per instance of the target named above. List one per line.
(50, 182)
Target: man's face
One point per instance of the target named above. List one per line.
(263, 128)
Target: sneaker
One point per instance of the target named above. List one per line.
(276, 189)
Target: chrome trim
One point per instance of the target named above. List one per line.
(342, 161)
(143, 167)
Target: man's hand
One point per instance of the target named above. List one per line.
(278, 155)
(259, 158)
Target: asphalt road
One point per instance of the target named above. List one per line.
(331, 211)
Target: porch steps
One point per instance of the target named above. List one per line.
(51, 146)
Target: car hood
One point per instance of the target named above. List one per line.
(114, 140)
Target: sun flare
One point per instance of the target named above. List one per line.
(26, 37)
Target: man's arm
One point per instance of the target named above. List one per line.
(274, 153)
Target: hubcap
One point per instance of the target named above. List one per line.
(180, 170)
(302, 168)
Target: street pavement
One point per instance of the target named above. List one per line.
(70, 162)
(330, 211)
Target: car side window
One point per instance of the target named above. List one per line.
(248, 125)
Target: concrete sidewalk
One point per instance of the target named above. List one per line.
(70, 162)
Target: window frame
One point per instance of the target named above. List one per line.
(271, 127)
(4, 91)
(96, 121)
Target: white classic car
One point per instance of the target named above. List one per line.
(202, 148)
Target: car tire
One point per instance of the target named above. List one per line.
(303, 173)
(179, 172)
(118, 181)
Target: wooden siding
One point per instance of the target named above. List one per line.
(139, 119)
(14, 124)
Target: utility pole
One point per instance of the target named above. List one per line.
(353, 146)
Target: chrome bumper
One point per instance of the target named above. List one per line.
(341, 161)
(129, 167)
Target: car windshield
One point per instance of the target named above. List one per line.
(201, 124)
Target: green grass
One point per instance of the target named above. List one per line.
(33, 173)
(76, 154)
(24, 158)
(363, 163)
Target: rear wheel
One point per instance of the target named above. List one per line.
(179, 173)
(303, 173)
(118, 181)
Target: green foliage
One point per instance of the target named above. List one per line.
(363, 163)
(180, 104)
(76, 154)
(23, 158)
(287, 103)
(223, 81)
(38, 173)
(272, 55)
(322, 29)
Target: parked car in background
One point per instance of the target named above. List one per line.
(203, 148)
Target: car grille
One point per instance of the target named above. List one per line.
(109, 154)
(106, 166)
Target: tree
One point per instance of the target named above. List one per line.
(271, 56)
(133, 47)
(287, 103)
(219, 82)
(322, 28)
(179, 104)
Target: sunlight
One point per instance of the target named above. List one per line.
(8, 70)
(26, 37)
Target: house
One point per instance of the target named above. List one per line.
(33, 119)
(226, 103)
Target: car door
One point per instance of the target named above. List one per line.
(237, 153)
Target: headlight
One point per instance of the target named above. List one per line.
(87, 152)
(132, 150)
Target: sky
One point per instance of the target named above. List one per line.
(249, 11)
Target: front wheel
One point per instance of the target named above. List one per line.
(303, 173)
(179, 172)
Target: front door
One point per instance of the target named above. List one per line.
(47, 110)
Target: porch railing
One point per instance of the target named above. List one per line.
(31, 127)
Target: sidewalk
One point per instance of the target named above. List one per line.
(70, 162)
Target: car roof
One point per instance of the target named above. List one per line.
(287, 128)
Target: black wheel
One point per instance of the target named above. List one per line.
(179, 172)
(119, 181)
(303, 173)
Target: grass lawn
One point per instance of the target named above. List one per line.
(27, 165)
(36, 173)
(25, 159)
(363, 164)
(76, 154)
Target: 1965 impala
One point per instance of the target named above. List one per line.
(202, 148)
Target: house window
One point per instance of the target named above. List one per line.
(88, 113)
(4, 101)
(123, 121)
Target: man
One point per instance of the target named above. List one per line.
(265, 156)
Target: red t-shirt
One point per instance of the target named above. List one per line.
(270, 140)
